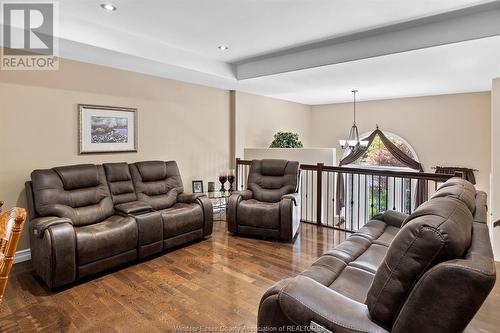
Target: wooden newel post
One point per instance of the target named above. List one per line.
(319, 193)
(237, 173)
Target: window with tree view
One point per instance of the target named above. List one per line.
(378, 155)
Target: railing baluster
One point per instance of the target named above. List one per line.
(327, 197)
(319, 193)
(334, 193)
(403, 208)
(394, 193)
(359, 195)
(371, 199)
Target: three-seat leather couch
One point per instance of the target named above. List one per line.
(427, 272)
(88, 218)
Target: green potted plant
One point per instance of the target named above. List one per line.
(286, 140)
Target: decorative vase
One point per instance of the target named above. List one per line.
(222, 180)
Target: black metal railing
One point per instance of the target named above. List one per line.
(346, 198)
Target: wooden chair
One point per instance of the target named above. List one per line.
(11, 225)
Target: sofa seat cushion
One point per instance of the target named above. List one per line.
(353, 283)
(325, 270)
(115, 235)
(378, 232)
(181, 218)
(371, 259)
(350, 249)
(259, 214)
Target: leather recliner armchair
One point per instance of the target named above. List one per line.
(270, 206)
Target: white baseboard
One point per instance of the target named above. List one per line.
(23, 255)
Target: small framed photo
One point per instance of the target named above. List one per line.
(197, 186)
(107, 129)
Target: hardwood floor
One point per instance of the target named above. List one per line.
(217, 282)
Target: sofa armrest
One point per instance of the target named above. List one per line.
(245, 194)
(40, 224)
(208, 214)
(304, 300)
(289, 216)
(232, 207)
(295, 197)
(53, 250)
(133, 207)
(189, 197)
(392, 217)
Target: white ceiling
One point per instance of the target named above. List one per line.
(178, 39)
(454, 68)
(248, 27)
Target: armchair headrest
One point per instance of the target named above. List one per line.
(273, 167)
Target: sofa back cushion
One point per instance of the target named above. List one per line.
(157, 183)
(78, 192)
(438, 230)
(270, 179)
(460, 189)
(120, 182)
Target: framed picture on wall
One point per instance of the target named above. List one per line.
(197, 186)
(106, 129)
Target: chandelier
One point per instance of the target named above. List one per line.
(353, 141)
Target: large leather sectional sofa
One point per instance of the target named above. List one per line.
(87, 218)
(270, 206)
(426, 272)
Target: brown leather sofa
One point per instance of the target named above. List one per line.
(87, 218)
(427, 272)
(270, 206)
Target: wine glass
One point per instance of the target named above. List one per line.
(230, 179)
(222, 179)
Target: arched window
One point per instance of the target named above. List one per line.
(373, 194)
(378, 156)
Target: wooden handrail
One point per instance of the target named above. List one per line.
(364, 171)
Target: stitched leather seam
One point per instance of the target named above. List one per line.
(52, 261)
(331, 255)
(471, 269)
(320, 314)
(330, 268)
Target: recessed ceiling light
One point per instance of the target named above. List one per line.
(108, 7)
(222, 47)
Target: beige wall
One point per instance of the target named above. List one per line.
(495, 164)
(449, 130)
(38, 116)
(258, 118)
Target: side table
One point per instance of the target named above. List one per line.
(219, 202)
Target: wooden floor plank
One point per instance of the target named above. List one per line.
(216, 282)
